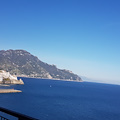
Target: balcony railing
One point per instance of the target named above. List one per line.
(15, 114)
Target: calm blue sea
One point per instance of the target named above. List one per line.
(64, 100)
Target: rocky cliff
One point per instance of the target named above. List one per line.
(7, 78)
(22, 63)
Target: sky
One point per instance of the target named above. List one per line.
(79, 35)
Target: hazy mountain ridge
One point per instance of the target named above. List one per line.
(22, 63)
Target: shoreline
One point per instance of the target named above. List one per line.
(53, 79)
(4, 85)
(9, 91)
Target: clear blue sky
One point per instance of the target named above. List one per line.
(80, 35)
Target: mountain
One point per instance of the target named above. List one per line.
(22, 63)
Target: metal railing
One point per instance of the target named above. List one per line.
(15, 114)
(3, 118)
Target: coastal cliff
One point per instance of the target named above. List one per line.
(23, 64)
(7, 78)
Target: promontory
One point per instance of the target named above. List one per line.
(22, 63)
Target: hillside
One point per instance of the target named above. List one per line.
(22, 63)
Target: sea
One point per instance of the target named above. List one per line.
(64, 100)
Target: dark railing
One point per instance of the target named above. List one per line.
(15, 114)
(3, 118)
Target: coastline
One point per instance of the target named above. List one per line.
(9, 91)
(52, 79)
(4, 85)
